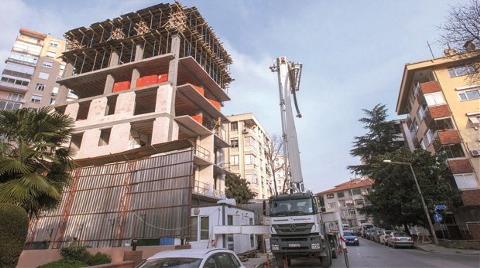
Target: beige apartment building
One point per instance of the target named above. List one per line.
(247, 153)
(148, 137)
(348, 198)
(31, 70)
(442, 102)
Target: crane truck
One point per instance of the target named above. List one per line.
(296, 225)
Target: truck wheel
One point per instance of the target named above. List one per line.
(327, 260)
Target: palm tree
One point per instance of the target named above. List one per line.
(34, 163)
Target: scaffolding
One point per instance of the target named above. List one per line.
(109, 205)
(151, 30)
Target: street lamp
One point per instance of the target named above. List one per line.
(435, 240)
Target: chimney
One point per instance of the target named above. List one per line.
(469, 46)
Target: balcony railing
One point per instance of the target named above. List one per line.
(202, 153)
(206, 189)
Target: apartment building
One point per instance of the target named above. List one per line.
(31, 71)
(441, 99)
(147, 136)
(348, 198)
(247, 154)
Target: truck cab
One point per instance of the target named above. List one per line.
(297, 229)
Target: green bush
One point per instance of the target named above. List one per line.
(99, 258)
(64, 263)
(13, 233)
(75, 252)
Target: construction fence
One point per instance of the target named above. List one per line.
(109, 205)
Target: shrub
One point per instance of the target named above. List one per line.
(13, 233)
(75, 252)
(64, 263)
(99, 258)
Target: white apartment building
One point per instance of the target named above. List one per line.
(247, 153)
(348, 197)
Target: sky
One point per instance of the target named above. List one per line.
(353, 54)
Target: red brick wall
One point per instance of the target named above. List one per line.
(449, 137)
(460, 166)
(471, 197)
(430, 87)
(474, 231)
(439, 111)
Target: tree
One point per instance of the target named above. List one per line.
(379, 139)
(238, 189)
(13, 233)
(273, 157)
(395, 199)
(34, 164)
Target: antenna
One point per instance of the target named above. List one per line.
(431, 51)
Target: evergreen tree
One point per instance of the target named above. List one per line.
(238, 189)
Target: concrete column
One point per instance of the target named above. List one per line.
(90, 144)
(125, 103)
(119, 138)
(97, 108)
(161, 130)
(63, 90)
(109, 84)
(135, 76)
(164, 99)
(114, 58)
(72, 110)
(138, 52)
(173, 66)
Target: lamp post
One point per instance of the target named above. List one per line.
(435, 240)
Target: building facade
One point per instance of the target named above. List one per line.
(348, 198)
(248, 154)
(148, 136)
(441, 98)
(31, 71)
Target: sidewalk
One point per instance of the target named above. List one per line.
(443, 250)
(254, 262)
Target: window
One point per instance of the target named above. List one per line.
(470, 94)
(204, 228)
(229, 219)
(442, 124)
(414, 126)
(40, 87)
(474, 119)
(234, 143)
(428, 138)
(193, 228)
(234, 160)
(14, 81)
(461, 71)
(36, 99)
(43, 75)
(433, 99)
(421, 112)
(452, 150)
(340, 194)
(234, 126)
(52, 101)
(51, 54)
(249, 159)
(53, 43)
(47, 64)
(330, 196)
(466, 181)
(356, 191)
(252, 240)
(359, 202)
(83, 108)
(104, 136)
(15, 97)
(54, 91)
(332, 205)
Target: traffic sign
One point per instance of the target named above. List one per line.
(440, 207)
(438, 218)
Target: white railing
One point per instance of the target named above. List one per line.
(206, 189)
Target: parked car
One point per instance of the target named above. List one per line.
(351, 238)
(399, 239)
(376, 235)
(384, 236)
(364, 228)
(194, 258)
(370, 233)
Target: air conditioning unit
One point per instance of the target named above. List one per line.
(245, 131)
(475, 152)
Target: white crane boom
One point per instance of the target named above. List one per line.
(289, 75)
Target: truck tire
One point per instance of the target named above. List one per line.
(327, 260)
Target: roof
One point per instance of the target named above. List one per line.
(186, 253)
(352, 184)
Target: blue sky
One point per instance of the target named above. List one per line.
(353, 54)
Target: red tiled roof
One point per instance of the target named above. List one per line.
(354, 183)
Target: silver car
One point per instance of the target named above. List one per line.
(400, 239)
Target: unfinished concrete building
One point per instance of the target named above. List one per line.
(148, 137)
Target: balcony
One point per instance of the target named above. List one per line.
(205, 189)
(202, 156)
(439, 111)
(460, 166)
(13, 87)
(430, 87)
(450, 136)
(187, 94)
(191, 127)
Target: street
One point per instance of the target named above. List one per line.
(372, 255)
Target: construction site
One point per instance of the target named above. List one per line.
(147, 138)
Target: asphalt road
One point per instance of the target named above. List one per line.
(372, 255)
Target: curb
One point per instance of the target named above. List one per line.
(453, 251)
